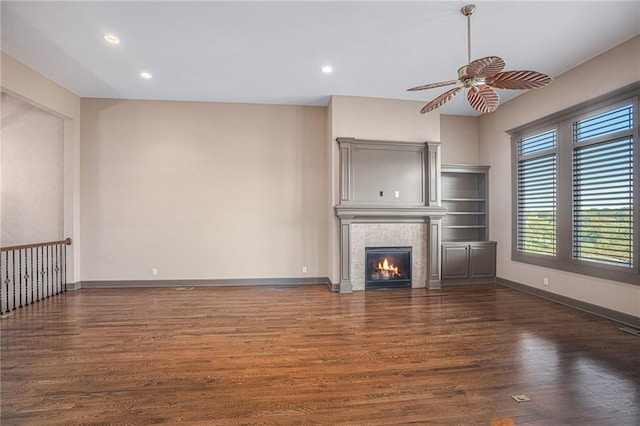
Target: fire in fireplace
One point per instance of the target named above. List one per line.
(387, 267)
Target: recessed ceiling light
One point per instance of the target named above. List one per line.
(112, 39)
(145, 75)
(327, 69)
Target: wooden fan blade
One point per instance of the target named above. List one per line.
(519, 80)
(485, 67)
(432, 85)
(483, 98)
(445, 97)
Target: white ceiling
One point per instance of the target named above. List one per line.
(272, 52)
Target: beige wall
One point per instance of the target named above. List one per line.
(32, 169)
(202, 190)
(612, 70)
(459, 139)
(383, 119)
(22, 82)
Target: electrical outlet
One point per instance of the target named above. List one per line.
(545, 281)
(397, 194)
(154, 271)
(304, 269)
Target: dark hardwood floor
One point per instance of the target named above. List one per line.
(304, 355)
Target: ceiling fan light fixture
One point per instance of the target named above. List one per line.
(481, 77)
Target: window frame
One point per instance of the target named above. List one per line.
(563, 121)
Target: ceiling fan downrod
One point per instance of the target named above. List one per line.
(468, 11)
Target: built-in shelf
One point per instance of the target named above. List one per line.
(467, 256)
(464, 194)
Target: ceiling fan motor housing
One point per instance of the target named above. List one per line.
(469, 80)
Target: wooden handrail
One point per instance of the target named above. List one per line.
(66, 241)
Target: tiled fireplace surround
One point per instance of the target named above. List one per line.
(367, 221)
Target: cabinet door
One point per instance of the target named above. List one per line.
(482, 260)
(455, 261)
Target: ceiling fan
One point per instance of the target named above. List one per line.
(481, 77)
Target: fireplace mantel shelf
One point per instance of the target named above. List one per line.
(389, 212)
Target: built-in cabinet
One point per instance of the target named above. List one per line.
(467, 256)
(469, 261)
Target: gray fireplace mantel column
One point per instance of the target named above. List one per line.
(345, 253)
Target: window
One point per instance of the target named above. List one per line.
(603, 188)
(537, 194)
(575, 180)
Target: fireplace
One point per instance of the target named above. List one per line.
(387, 267)
(399, 205)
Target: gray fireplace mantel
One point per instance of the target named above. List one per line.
(359, 202)
(430, 216)
(393, 214)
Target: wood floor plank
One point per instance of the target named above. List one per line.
(304, 355)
